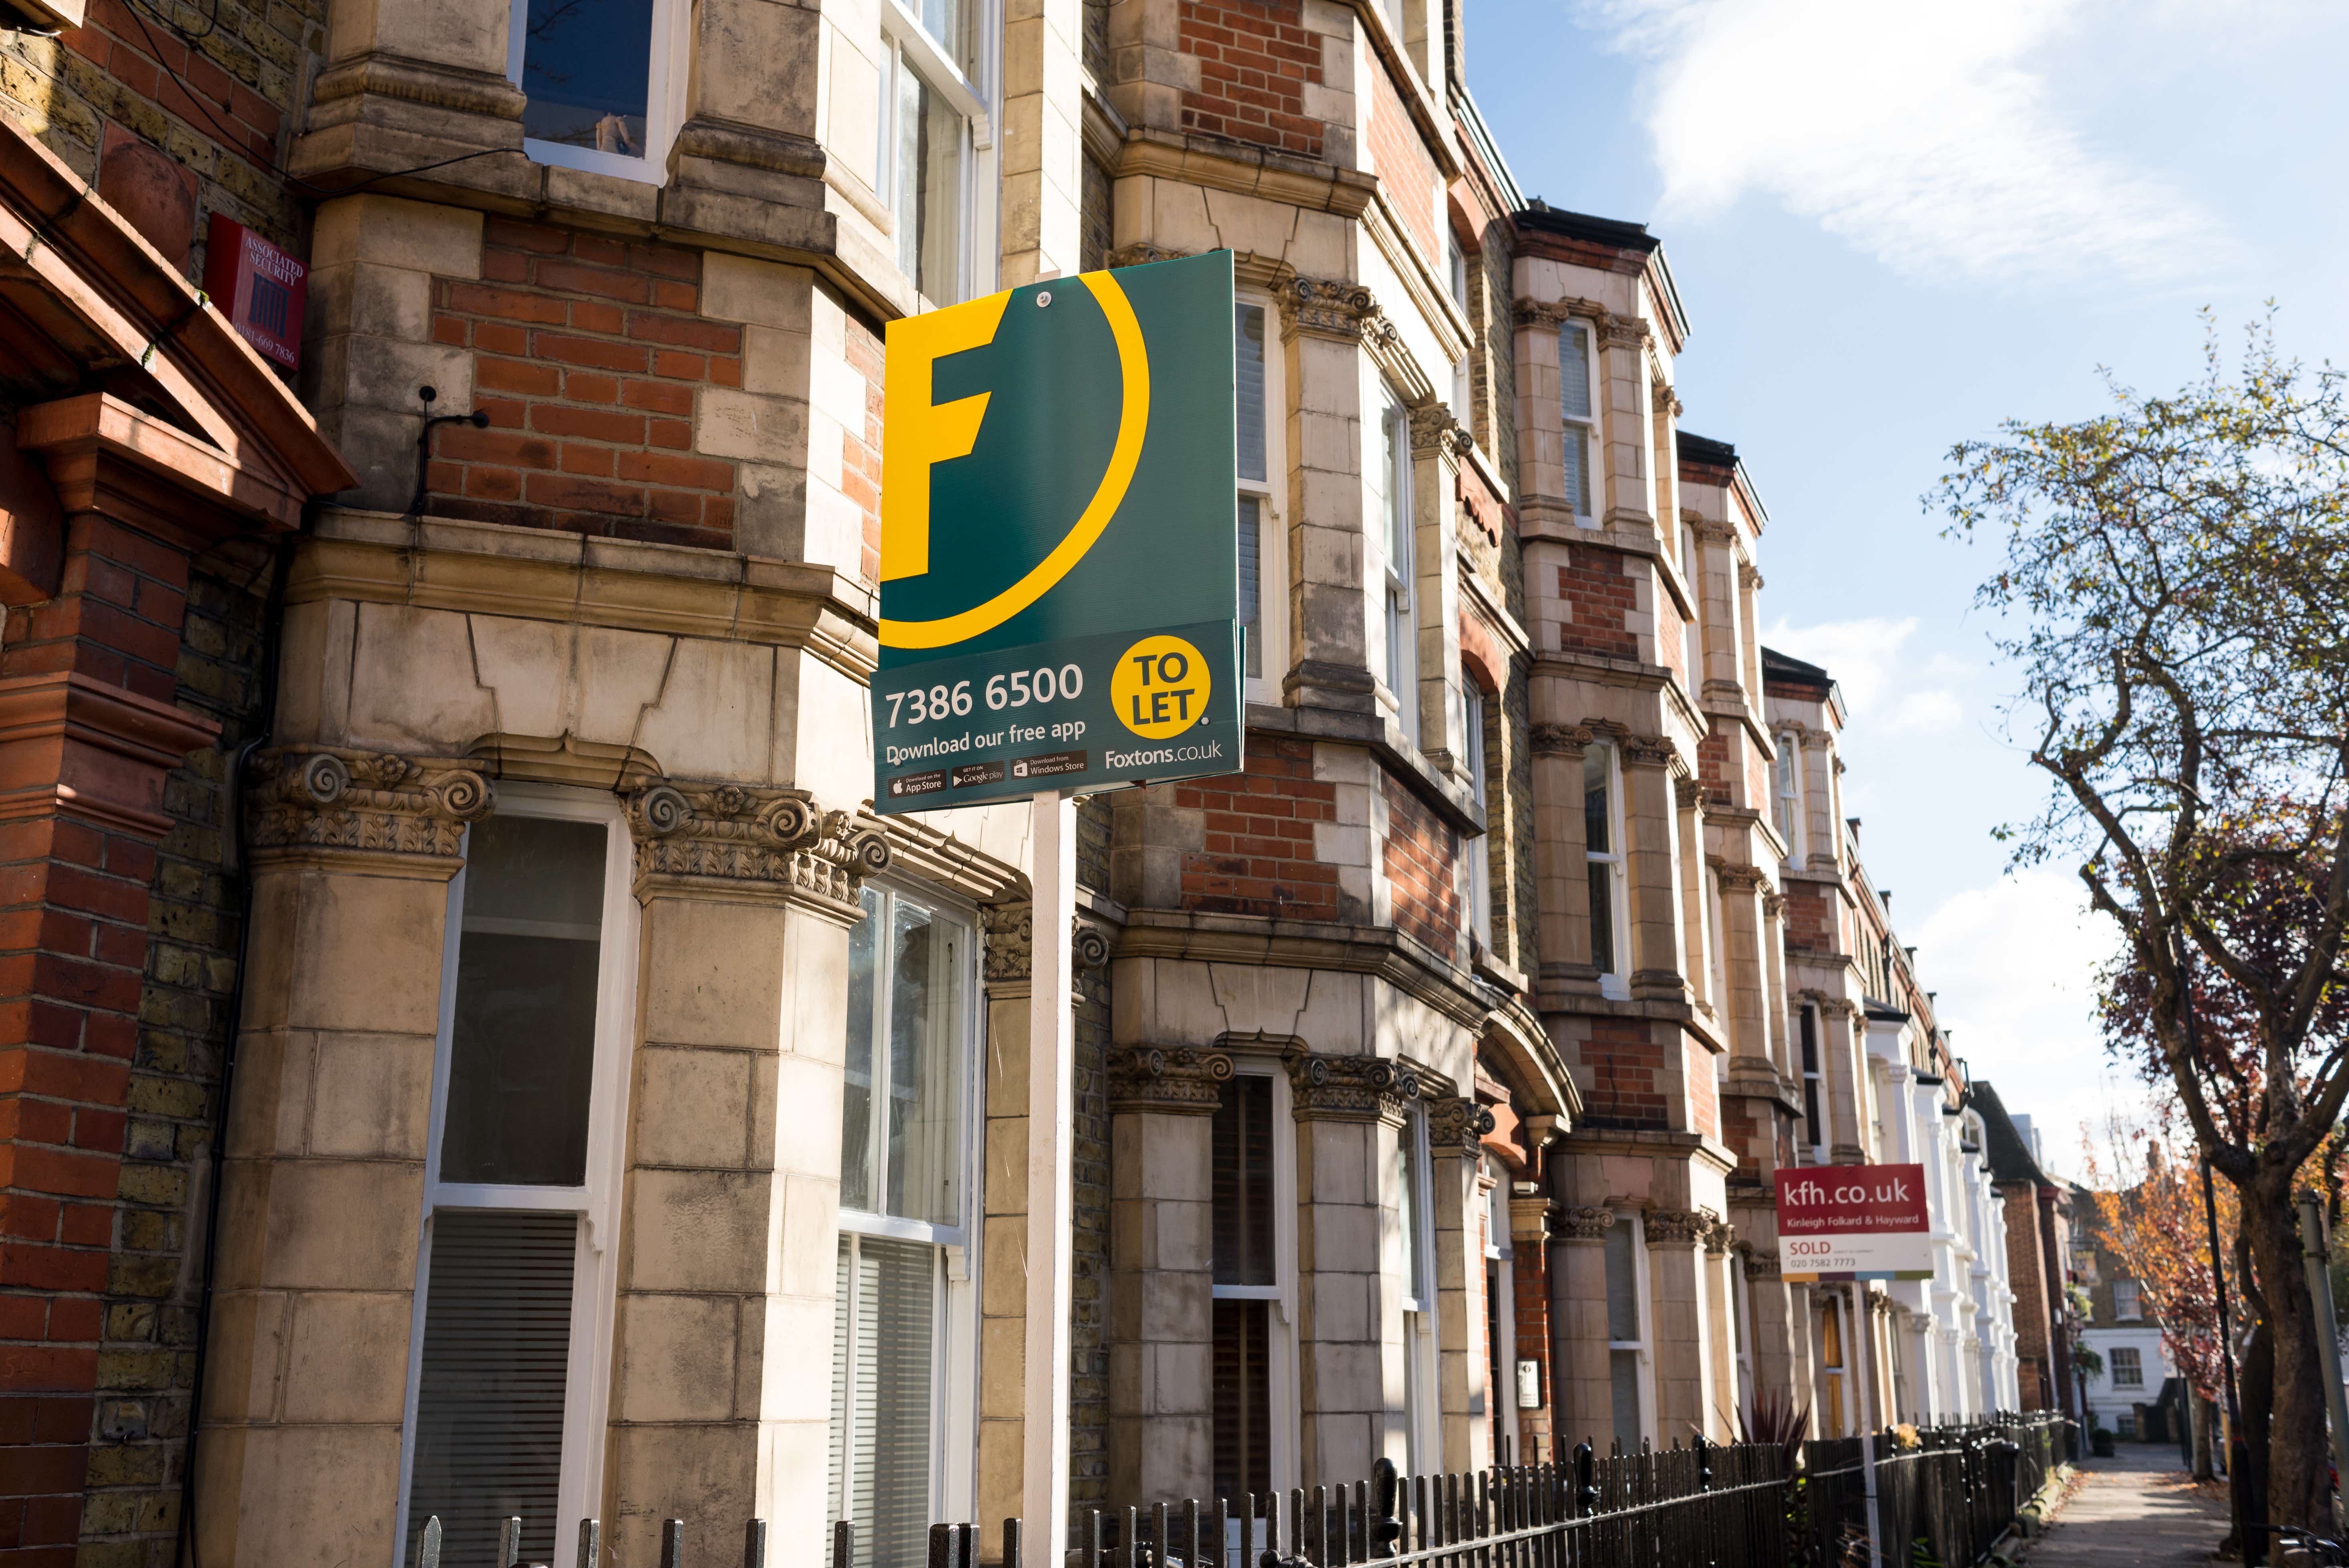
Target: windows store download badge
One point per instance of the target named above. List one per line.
(1059, 574)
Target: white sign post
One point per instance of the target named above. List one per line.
(1052, 1120)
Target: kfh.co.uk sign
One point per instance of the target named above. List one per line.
(1853, 1223)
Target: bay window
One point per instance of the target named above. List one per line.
(931, 107)
(1393, 476)
(512, 1340)
(1602, 839)
(1578, 404)
(901, 1315)
(603, 80)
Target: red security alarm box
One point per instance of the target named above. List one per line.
(258, 287)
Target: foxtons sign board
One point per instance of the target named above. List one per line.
(1853, 1222)
(1060, 579)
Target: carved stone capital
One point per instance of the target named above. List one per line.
(1762, 1265)
(1457, 1124)
(1679, 1227)
(1646, 751)
(1170, 1080)
(731, 841)
(1436, 430)
(326, 804)
(1718, 1236)
(1560, 739)
(1326, 307)
(1142, 254)
(1688, 792)
(1349, 1088)
(1007, 942)
(1742, 878)
(1582, 1224)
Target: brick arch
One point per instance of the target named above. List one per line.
(1481, 655)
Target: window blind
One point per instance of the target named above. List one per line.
(1574, 399)
(1248, 364)
(1251, 518)
(490, 1402)
(884, 1338)
(1241, 1190)
(1242, 1393)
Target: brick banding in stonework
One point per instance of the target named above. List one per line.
(1256, 58)
(1600, 596)
(1257, 856)
(588, 359)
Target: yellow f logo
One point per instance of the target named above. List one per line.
(919, 433)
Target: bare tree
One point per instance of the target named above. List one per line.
(2175, 595)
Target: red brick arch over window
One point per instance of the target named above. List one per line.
(1480, 654)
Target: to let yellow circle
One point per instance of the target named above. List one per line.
(1160, 688)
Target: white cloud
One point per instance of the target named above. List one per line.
(1927, 713)
(1862, 656)
(1929, 134)
(2014, 965)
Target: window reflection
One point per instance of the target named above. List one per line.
(586, 69)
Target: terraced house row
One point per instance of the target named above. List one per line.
(468, 1050)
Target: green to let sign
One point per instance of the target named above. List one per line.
(1060, 576)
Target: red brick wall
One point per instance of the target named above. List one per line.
(1259, 854)
(860, 456)
(1597, 594)
(1627, 1076)
(1712, 765)
(1422, 857)
(588, 358)
(1703, 1087)
(1810, 918)
(1529, 1267)
(1255, 60)
(1405, 172)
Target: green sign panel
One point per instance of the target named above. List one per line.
(1060, 575)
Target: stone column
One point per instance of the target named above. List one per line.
(1678, 1336)
(1162, 1434)
(1042, 148)
(1720, 1303)
(1651, 826)
(322, 1170)
(1349, 1111)
(1331, 591)
(1529, 1244)
(721, 1380)
(1007, 961)
(1695, 870)
(1783, 1352)
(1561, 880)
(1630, 499)
(1584, 1391)
(1455, 1137)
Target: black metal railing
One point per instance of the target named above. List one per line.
(1943, 1495)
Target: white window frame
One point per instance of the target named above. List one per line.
(1400, 548)
(1786, 785)
(1838, 1306)
(1422, 1422)
(2135, 1310)
(2137, 1353)
(906, 43)
(1716, 944)
(1643, 1346)
(595, 1279)
(1815, 1079)
(1692, 628)
(1617, 982)
(954, 1367)
(1479, 850)
(665, 69)
(1581, 427)
(1281, 1409)
(1500, 1308)
(1272, 533)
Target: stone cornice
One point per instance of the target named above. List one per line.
(1168, 1080)
(726, 840)
(1323, 1087)
(326, 804)
(1221, 165)
(543, 574)
(1456, 1125)
(1381, 951)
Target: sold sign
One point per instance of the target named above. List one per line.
(1853, 1223)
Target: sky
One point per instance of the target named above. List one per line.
(1894, 227)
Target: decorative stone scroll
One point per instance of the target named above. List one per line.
(1718, 1236)
(1176, 1080)
(1560, 739)
(730, 838)
(1743, 878)
(325, 802)
(1007, 941)
(1457, 1124)
(1331, 308)
(1434, 429)
(1349, 1088)
(1679, 1227)
(1582, 1224)
(1647, 751)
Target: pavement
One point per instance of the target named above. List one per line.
(2134, 1508)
